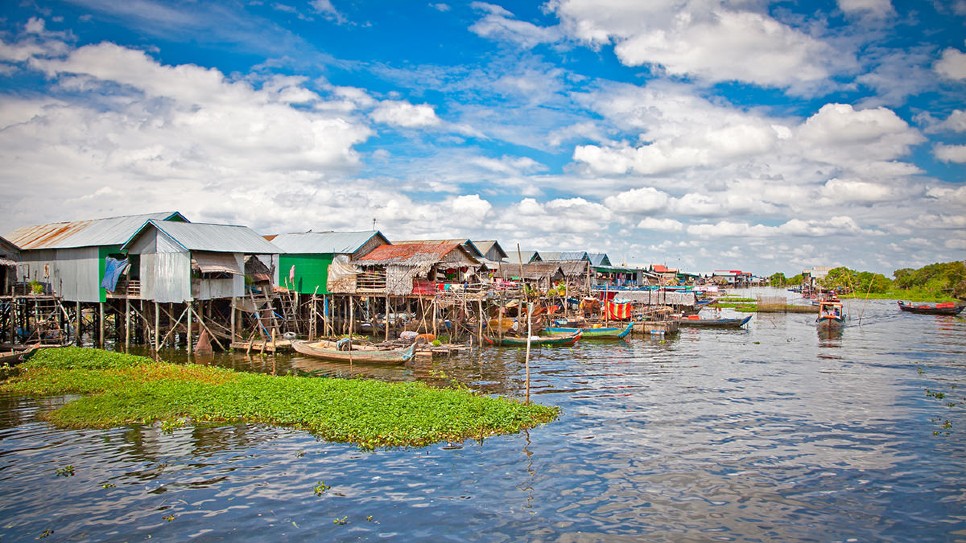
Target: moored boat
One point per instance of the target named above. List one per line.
(17, 356)
(338, 351)
(944, 308)
(544, 341)
(715, 323)
(603, 332)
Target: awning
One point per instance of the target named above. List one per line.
(5, 262)
(216, 263)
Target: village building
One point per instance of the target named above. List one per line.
(9, 258)
(309, 257)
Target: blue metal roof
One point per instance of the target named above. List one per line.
(90, 233)
(214, 238)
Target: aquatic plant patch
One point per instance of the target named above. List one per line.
(136, 390)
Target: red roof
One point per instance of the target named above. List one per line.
(661, 268)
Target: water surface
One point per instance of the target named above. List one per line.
(774, 433)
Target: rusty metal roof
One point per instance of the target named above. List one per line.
(467, 244)
(415, 253)
(90, 233)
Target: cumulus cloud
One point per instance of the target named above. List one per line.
(498, 23)
(642, 200)
(837, 225)
(706, 40)
(876, 8)
(952, 64)
(841, 135)
(663, 225)
(406, 115)
(950, 153)
(175, 135)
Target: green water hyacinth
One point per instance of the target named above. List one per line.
(119, 389)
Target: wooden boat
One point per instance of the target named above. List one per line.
(603, 332)
(17, 356)
(945, 308)
(337, 351)
(535, 341)
(715, 323)
(830, 313)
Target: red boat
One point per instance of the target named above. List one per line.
(944, 308)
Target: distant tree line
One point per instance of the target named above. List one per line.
(935, 280)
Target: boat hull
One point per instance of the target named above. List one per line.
(932, 309)
(609, 332)
(715, 323)
(541, 341)
(326, 351)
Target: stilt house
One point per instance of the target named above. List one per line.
(9, 257)
(419, 268)
(70, 258)
(181, 262)
(307, 258)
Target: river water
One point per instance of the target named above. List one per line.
(774, 433)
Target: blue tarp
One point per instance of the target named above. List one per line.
(112, 272)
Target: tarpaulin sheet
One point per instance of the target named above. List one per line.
(113, 268)
(216, 263)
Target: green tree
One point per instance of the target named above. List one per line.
(777, 280)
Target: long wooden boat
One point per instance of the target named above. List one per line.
(17, 356)
(330, 350)
(830, 313)
(535, 341)
(945, 308)
(716, 323)
(603, 332)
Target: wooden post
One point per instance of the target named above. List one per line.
(100, 325)
(526, 361)
(127, 324)
(157, 327)
(387, 317)
(189, 328)
(233, 321)
(13, 319)
(77, 327)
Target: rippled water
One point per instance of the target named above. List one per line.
(775, 433)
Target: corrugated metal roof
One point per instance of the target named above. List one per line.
(564, 255)
(413, 252)
(599, 259)
(485, 245)
(526, 256)
(91, 233)
(8, 249)
(324, 242)
(215, 238)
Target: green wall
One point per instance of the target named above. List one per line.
(310, 270)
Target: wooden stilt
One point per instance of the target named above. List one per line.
(127, 324)
(190, 312)
(77, 326)
(100, 325)
(157, 327)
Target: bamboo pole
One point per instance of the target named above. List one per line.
(527, 359)
(77, 326)
(387, 318)
(100, 325)
(127, 324)
(157, 327)
(190, 312)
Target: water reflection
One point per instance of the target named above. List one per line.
(769, 433)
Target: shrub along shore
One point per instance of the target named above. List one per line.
(118, 389)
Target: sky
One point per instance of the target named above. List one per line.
(701, 134)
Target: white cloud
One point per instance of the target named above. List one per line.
(836, 225)
(950, 153)
(567, 215)
(952, 65)
(840, 135)
(840, 191)
(642, 200)
(499, 24)
(663, 225)
(405, 114)
(877, 8)
(326, 8)
(704, 39)
(956, 122)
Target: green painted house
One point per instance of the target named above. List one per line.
(307, 257)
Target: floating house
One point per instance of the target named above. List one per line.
(540, 275)
(9, 258)
(311, 260)
(419, 268)
(182, 262)
(70, 258)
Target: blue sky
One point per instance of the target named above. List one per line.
(764, 136)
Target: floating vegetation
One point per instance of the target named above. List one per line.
(341, 521)
(321, 488)
(66, 471)
(119, 389)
